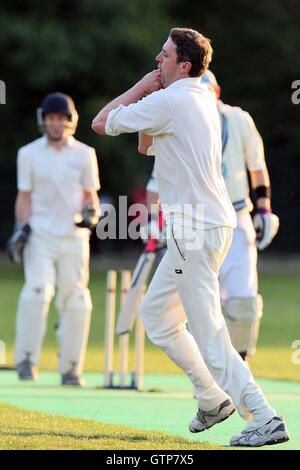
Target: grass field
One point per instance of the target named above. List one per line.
(26, 429)
(280, 326)
(31, 430)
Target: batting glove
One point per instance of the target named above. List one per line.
(90, 217)
(266, 226)
(16, 243)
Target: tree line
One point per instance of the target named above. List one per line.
(95, 50)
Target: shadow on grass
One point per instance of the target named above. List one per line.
(99, 436)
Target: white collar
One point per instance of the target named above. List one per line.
(70, 141)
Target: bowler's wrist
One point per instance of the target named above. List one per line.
(140, 89)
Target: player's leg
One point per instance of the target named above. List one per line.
(74, 305)
(165, 324)
(238, 287)
(33, 305)
(196, 275)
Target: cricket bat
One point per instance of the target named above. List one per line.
(139, 278)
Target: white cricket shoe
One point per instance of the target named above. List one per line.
(206, 419)
(273, 432)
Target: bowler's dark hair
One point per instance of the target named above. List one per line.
(192, 47)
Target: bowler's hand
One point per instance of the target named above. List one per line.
(151, 82)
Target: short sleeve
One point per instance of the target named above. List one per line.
(24, 171)
(91, 172)
(252, 144)
(151, 115)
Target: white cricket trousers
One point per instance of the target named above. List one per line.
(238, 274)
(185, 287)
(51, 261)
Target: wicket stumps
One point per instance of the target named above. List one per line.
(111, 304)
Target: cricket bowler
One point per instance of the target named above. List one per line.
(184, 121)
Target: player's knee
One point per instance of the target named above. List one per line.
(159, 333)
(243, 319)
(80, 299)
(245, 310)
(37, 293)
(164, 337)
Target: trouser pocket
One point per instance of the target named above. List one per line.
(177, 237)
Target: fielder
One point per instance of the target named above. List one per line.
(242, 150)
(57, 206)
(183, 119)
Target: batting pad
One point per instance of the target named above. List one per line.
(242, 317)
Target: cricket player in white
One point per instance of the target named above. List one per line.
(242, 150)
(183, 119)
(56, 208)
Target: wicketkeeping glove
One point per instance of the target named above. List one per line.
(266, 226)
(17, 241)
(90, 217)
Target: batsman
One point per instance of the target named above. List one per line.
(242, 152)
(57, 206)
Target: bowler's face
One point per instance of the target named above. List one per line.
(167, 63)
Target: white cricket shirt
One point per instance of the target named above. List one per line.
(244, 150)
(56, 180)
(152, 182)
(184, 120)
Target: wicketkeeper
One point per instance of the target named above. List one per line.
(57, 206)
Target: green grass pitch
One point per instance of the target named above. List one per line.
(26, 429)
(280, 327)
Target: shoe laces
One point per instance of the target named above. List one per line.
(248, 435)
(202, 415)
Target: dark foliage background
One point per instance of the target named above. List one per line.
(95, 50)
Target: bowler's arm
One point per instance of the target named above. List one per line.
(148, 84)
(145, 141)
